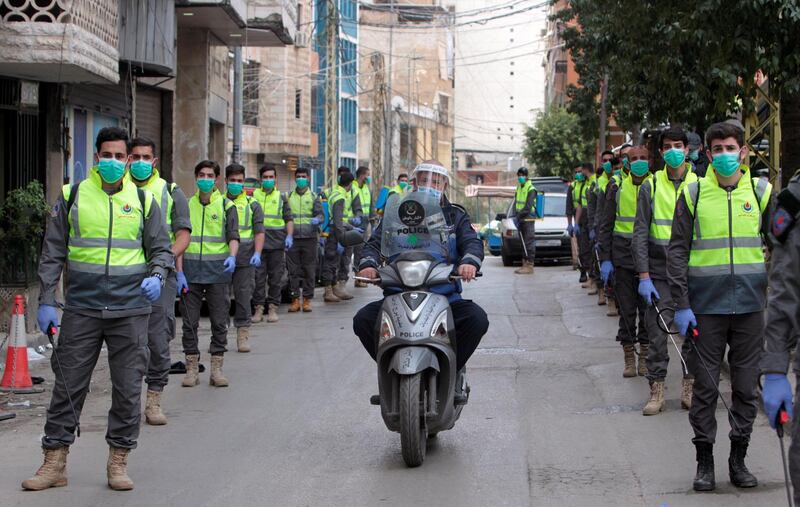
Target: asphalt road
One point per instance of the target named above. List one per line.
(550, 422)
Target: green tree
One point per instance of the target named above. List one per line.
(554, 145)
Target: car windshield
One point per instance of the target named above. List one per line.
(414, 223)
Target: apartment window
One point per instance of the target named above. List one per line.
(444, 109)
(298, 102)
(250, 99)
(299, 16)
(561, 67)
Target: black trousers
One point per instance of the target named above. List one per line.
(270, 273)
(585, 249)
(631, 308)
(744, 335)
(528, 237)
(470, 321)
(302, 262)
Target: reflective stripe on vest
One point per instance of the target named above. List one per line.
(521, 197)
(302, 206)
(726, 242)
(339, 193)
(105, 238)
(162, 191)
(272, 205)
(627, 197)
(663, 197)
(243, 210)
(209, 221)
(365, 196)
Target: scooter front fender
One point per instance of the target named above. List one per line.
(411, 360)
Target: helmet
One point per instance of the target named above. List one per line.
(522, 171)
(431, 166)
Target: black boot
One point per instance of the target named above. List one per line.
(740, 475)
(704, 480)
(583, 277)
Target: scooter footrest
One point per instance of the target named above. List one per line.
(375, 399)
(460, 399)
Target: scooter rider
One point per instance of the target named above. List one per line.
(470, 319)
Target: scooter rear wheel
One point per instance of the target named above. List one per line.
(413, 431)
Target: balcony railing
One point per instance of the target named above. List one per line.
(97, 17)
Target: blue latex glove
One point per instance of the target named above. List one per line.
(315, 221)
(576, 229)
(592, 234)
(255, 260)
(648, 291)
(322, 241)
(777, 392)
(339, 249)
(230, 264)
(683, 318)
(183, 284)
(46, 315)
(151, 288)
(355, 221)
(288, 242)
(571, 230)
(606, 268)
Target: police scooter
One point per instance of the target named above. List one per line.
(420, 391)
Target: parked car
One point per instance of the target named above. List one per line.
(490, 234)
(552, 240)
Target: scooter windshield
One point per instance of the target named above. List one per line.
(414, 223)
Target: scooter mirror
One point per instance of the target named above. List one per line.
(352, 238)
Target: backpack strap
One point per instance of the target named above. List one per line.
(73, 192)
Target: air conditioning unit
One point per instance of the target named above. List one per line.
(301, 39)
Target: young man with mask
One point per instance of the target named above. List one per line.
(340, 205)
(302, 257)
(524, 219)
(362, 186)
(718, 279)
(697, 155)
(279, 237)
(248, 258)
(651, 234)
(161, 326)
(470, 320)
(616, 233)
(596, 207)
(108, 299)
(209, 262)
(573, 201)
(400, 188)
(586, 180)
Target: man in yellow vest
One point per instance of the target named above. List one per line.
(400, 188)
(585, 180)
(279, 237)
(596, 205)
(651, 233)
(302, 257)
(251, 242)
(111, 237)
(353, 218)
(524, 216)
(718, 279)
(340, 204)
(161, 327)
(615, 235)
(573, 201)
(209, 262)
(362, 185)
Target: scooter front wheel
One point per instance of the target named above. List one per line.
(413, 431)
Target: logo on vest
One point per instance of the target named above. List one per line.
(127, 209)
(214, 216)
(747, 207)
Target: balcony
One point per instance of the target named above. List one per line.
(262, 23)
(59, 40)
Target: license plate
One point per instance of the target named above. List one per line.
(548, 242)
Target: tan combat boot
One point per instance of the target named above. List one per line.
(243, 339)
(306, 305)
(340, 291)
(52, 473)
(612, 308)
(152, 409)
(295, 306)
(592, 288)
(258, 314)
(217, 379)
(643, 351)
(117, 469)
(272, 313)
(526, 269)
(192, 377)
(601, 296)
(329, 296)
(687, 388)
(656, 402)
(630, 361)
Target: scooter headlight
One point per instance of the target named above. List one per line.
(412, 273)
(387, 329)
(439, 329)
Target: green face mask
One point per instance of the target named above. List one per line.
(617, 172)
(607, 167)
(694, 155)
(522, 180)
(235, 188)
(726, 163)
(369, 180)
(674, 157)
(580, 177)
(640, 167)
(626, 164)
(142, 169)
(205, 184)
(111, 169)
(268, 184)
(301, 182)
(403, 184)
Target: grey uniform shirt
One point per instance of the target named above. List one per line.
(783, 308)
(248, 248)
(650, 258)
(612, 247)
(55, 248)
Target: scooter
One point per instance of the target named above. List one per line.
(420, 391)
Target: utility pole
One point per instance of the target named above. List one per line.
(388, 170)
(236, 156)
(378, 119)
(331, 92)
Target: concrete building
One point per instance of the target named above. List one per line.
(419, 76)
(500, 85)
